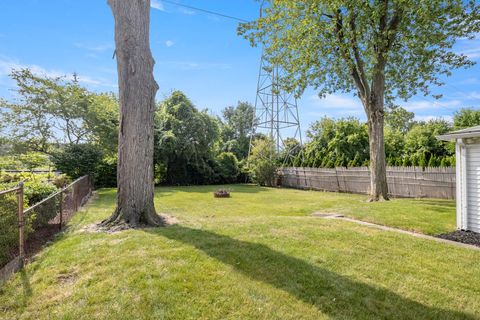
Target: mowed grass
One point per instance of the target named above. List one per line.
(257, 255)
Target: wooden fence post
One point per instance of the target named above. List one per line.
(21, 224)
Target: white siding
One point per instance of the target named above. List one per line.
(473, 187)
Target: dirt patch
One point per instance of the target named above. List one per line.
(467, 237)
(97, 228)
(67, 278)
(39, 238)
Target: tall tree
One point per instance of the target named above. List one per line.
(238, 128)
(54, 111)
(185, 141)
(466, 117)
(398, 118)
(379, 49)
(137, 89)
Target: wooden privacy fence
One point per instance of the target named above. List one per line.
(26, 230)
(411, 182)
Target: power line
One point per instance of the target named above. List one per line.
(204, 10)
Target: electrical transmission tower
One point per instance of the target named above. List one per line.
(276, 111)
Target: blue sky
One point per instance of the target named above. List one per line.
(197, 53)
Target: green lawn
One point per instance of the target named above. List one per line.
(257, 255)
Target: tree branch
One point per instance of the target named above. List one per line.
(339, 32)
(360, 65)
(393, 26)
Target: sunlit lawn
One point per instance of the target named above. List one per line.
(257, 255)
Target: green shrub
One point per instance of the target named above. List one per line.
(37, 191)
(105, 175)
(264, 172)
(263, 167)
(8, 226)
(227, 169)
(78, 160)
(60, 181)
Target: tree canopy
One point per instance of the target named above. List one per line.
(378, 49)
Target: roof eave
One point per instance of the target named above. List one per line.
(455, 136)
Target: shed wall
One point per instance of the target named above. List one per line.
(473, 187)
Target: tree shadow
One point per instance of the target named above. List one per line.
(440, 203)
(333, 294)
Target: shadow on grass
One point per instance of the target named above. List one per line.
(440, 203)
(333, 294)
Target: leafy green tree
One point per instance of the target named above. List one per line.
(399, 119)
(227, 167)
(237, 128)
(466, 117)
(50, 112)
(28, 118)
(185, 141)
(336, 143)
(262, 162)
(394, 144)
(421, 142)
(101, 121)
(378, 49)
(291, 152)
(77, 160)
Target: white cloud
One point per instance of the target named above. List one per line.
(471, 53)
(474, 95)
(187, 11)
(332, 101)
(157, 4)
(7, 65)
(426, 105)
(169, 43)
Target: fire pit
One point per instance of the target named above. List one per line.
(221, 193)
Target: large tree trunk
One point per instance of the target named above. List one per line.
(378, 167)
(137, 89)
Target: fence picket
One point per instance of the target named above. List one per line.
(412, 182)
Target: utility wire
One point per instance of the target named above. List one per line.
(204, 10)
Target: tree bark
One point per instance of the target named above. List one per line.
(137, 89)
(378, 167)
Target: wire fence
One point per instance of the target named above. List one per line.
(24, 231)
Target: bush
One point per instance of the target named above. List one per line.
(78, 160)
(264, 172)
(8, 226)
(227, 169)
(262, 164)
(37, 191)
(105, 175)
(61, 181)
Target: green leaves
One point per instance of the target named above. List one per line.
(338, 45)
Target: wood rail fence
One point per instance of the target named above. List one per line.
(410, 182)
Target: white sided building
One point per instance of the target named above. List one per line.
(467, 176)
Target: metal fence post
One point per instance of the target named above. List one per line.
(61, 210)
(21, 223)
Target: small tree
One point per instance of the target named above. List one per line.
(262, 162)
(378, 49)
